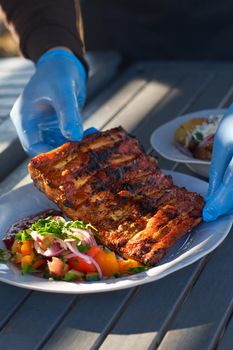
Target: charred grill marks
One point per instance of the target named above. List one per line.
(107, 179)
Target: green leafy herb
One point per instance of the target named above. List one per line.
(78, 224)
(72, 275)
(107, 250)
(49, 225)
(198, 136)
(23, 235)
(138, 269)
(117, 275)
(83, 248)
(92, 276)
(57, 228)
(5, 255)
(28, 269)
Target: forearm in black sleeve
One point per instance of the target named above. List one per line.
(43, 24)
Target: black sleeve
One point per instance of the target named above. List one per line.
(42, 24)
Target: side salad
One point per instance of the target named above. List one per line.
(64, 250)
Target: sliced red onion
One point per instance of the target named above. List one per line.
(54, 250)
(84, 235)
(97, 267)
(50, 252)
(87, 258)
(71, 240)
(70, 255)
(74, 250)
(61, 242)
(38, 248)
(36, 236)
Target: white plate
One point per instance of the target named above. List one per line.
(162, 140)
(28, 200)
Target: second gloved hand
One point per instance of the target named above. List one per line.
(47, 113)
(219, 200)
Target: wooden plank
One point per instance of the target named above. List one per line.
(87, 320)
(103, 68)
(156, 90)
(10, 300)
(115, 97)
(34, 319)
(11, 152)
(212, 97)
(15, 64)
(169, 102)
(12, 78)
(147, 310)
(198, 319)
(7, 101)
(225, 342)
(15, 178)
(177, 103)
(186, 66)
(10, 90)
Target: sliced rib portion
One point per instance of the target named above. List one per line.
(108, 180)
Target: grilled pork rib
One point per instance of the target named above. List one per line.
(108, 180)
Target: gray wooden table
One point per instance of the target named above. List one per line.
(190, 309)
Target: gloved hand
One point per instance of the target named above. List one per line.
(47, 113)
(220, 194)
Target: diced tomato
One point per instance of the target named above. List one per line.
(81, 265)
(57, 267)
(95, 249)
(39, 263)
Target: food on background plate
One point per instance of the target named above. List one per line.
(54, 248)
(107, 180)
(195, 137)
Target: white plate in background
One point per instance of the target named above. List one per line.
(162, 140)
(200, 241)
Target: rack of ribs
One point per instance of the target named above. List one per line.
(107, 179)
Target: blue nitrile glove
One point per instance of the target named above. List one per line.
(220, 194)
(47, 113)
